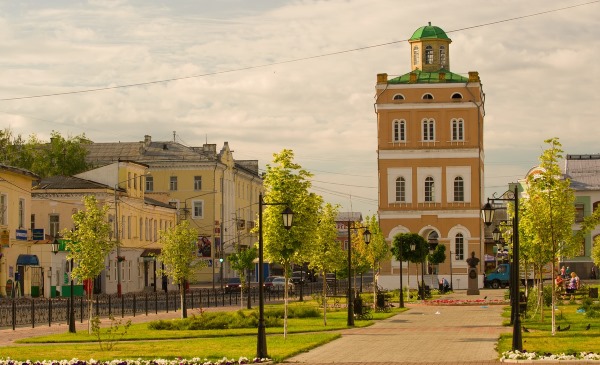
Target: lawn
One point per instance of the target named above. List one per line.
(141, 342)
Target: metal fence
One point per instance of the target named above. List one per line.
(25, 312)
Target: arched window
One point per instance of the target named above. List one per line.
(429, 55)
(399, 131)
(415, 55)
(442, 56)
(458, 130)
(400, 189)
(428, 130)
(459, 246)
(456, 96)
(432, 237)
(459, 189)
(429, 189)
(427, 96)
(398, 97)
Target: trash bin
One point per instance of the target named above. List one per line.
(593, 293)
(380, 300)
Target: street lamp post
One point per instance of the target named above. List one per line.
(287, 215)
(488, 217)
(401, 291)
(55, 249)
(367, 238)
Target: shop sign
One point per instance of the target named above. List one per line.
(22, 234)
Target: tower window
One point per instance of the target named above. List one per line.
(459, 246)
(429, 189)
(456, 96)
(398, 97)
(442, 56)
(458, 130)
(415, 55)
(428, 130)
(399, 131)
(429, 55)
(459, 189)
(427, 96)
(400, 189)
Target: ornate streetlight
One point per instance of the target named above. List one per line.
(488, 218)
(287, 215)
(55, 248)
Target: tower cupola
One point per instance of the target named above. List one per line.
(430, 49)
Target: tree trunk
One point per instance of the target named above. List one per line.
(182, 297)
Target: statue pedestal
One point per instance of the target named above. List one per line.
(473, 288)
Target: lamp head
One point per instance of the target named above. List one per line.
(488, 214)
(367, 236)
(287, 215)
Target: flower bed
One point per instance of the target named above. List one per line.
(510, 356)
(194, 361)
(465, 301)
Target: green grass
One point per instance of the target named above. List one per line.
(539, 339)
(140, 341)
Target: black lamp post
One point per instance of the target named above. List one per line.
(488, 217)
(55, 248)
(287, 216)
(401, 291)
(367, 238)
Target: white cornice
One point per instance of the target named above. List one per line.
(428, 105)
(447, 85)
(428, 154)
(417, 214)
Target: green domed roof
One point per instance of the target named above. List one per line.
(430, 32)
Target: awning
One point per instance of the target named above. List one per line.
(150, 252)
(31, 260)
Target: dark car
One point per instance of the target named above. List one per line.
(299, 277)
(233, 285)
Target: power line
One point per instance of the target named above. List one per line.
(301, 59)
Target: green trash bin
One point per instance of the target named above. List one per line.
(35, 291)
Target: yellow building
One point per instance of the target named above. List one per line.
(215, 192)
(430, 157)
(136, 219)
(19, 257)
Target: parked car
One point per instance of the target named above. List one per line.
(233, 285)
(268, 283)
(279, 284)
(299, 277)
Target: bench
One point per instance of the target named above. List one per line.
(580, 293)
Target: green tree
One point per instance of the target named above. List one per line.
(286, 182)
(402, 247)
(327, 254)
(178, 254)
(547, 215)
(242, 261)
(14, 150)
(88, 244)
(377, 250)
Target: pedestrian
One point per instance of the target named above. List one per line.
(568, 273)
(593, 274)
(563, 272)
(573, 284)
(559, 283)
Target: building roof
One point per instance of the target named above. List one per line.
(68, 182)
(584, 171)
(158, 203)
(18, 170)
(429, 78)
(429, 32)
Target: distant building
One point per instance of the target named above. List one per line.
(430, 156)
(215, 192)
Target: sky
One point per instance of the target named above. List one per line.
(269, 75)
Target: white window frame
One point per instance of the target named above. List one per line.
(197, 182)
(428, 130)
(442, 56)
(4, 209)
(197, 205)
(21, 213)
(428, 55)
(54, 227)
(400, 189)
(429, 189)
(459, 246)
(459, 189)
(398, 97)
(458, 130)
(149, 183)
(173, 183)
(416, 57)
(399, 130)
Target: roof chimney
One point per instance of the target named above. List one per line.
(147, 139)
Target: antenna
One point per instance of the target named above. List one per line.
(174, 133)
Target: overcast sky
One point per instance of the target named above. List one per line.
(539, 74)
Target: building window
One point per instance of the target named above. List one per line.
(456, 96)
(3, 210)
(399, 131)
(197, 182)
(429, 55)
(155, 231)
(458, 127)
(173, 183)
(135, 181)
(442, 56)
(129, 227)
(32, 222)
(198, 209)
(141, 229)
(459, 246)
(428, 130)
(429, 189)
(415, 55)
(579, 212)
(54, 225)
(122, 227)
(427, 96)
(398, 97)
(149, 183)
(400, 189)
(21, 213)
(129, 179)
(459, 189)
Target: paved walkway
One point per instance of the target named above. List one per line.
(423, 334)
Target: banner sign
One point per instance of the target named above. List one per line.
(204, 246)
(22, 234)
(5, 237)
(38, 234)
